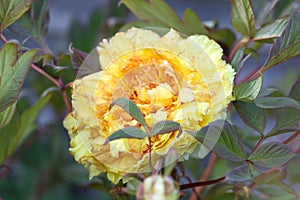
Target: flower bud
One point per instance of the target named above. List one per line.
(158, 187)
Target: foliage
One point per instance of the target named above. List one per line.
(257, 151)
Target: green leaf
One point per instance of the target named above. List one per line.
(293, 171)
(277, 102)
(237, 59)
(219, 191)
(164, 127)
(228, 144)
(131, 109)
(12, 73)
(252, 51)
(54, 70)
(284, 8)
(272, 30)
(191, 24)
(223, 36)
(20, 127)
(272, 154)
(46, 62)
(270, 92)
(271, 176)
(295, 91)
(127, 132)
(6, 115)
(272, 192)
(139, 24)
(248, 91)
(44, 58)
(241, 174)
(286, 118)
(288, 44)
(242, 17)
(11, 11)
(36, 21)
(265, 15)
(252, 115)
(157, 12)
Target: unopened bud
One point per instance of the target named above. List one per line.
(158, 187)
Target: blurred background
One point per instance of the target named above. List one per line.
(74, 20)
(42, 168)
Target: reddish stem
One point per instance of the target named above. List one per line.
(201, 183)
(292, 137)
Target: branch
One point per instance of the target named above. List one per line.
(262, 138)
(237, 46)
(3, 38)
(201, 183)
(292, 137)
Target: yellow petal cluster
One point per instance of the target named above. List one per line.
(168, 77)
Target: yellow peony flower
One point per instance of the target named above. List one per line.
(168, 77)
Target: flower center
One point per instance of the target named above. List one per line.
(159, 83)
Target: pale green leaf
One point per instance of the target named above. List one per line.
(272, 30)
(158, 13)
(6, 115)
(272, 154)
(269, 177)
(248, 91)
(164, 127)
(242, 17)
(131, 109)
(12, 73)
(20, 127)
(235, 63)
(288, 44)
(273, 192)
(127, 132)
(252, 115)
(277, 102)
(12, 10)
